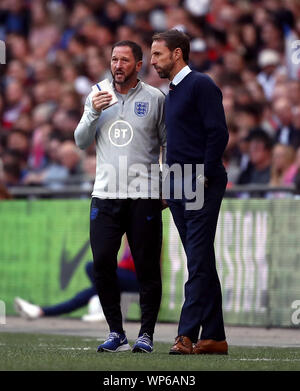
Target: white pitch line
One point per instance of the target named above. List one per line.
(71, 348)
(61, 348)
(265, 359)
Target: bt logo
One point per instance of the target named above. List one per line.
(120, 133)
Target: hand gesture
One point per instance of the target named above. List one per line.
(100, 100)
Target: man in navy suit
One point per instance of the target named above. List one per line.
(196, 134)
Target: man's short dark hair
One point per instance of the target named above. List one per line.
(135, 48)
(258, 134)
(175, 39)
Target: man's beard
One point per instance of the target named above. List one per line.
(126, 78)
(164, 73)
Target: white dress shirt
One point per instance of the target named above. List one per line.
(181, 75)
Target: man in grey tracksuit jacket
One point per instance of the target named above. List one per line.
(129, 136)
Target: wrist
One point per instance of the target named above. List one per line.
(96, 112)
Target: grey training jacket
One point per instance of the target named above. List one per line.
(128, 138)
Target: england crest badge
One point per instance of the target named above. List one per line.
(141, 109)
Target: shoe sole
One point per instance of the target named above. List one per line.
(178, 353)
(140, 350)
(122, 348)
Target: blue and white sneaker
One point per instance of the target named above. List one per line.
(114, 343)
(143, 344)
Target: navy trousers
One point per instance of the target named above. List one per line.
(127, 282)
(203, 298)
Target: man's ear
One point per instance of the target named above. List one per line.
(177, 53)
(138, 66)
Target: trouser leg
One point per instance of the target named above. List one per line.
(105, 236)
(203, 300)
(144, 233)
(79, 300)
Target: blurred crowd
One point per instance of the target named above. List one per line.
(57, 49)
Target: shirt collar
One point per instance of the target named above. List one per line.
(181, 75)
(131, 91)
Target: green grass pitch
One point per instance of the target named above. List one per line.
(41, 352)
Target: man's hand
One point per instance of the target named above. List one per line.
(201, 180)
(205, 182)
(100, 100)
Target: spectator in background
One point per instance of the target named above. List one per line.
(89, 169)
(268, 61)
(17, 47)
(42, 70)
(18, 141)
(37, 158)
(250, 37)
(258, 170)
(40, 94)
(76, 49)
(272, 27)
(70, 158)
(70, 101)
(296, 117)
(41, 115)
(80, 13)
(96, 68)
(64, 122)
(14, 167)
(24, 124)
(286, 132)
(17, 71)
(16, 103)
(11, 174)
(199, 60)
(15, 18)
(113, 15)
(293, 87)
(53, 174)
(234, 65)
(44, 34)
(247, 117)
(55, 86)
(282, 168)
(71, 75)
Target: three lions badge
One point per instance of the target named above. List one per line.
(141, 109)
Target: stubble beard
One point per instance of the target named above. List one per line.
(165, 72)
(126, 78)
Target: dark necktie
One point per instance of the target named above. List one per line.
(172, 86)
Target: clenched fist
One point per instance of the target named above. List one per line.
(101, 99)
